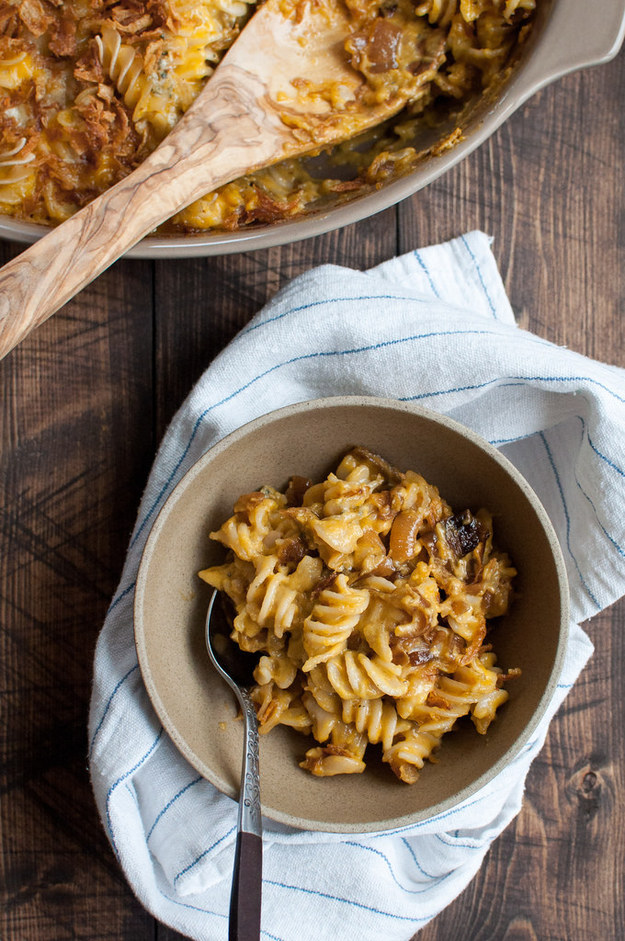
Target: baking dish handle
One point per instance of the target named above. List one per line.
(577, 35)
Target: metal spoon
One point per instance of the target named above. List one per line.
(245, 897)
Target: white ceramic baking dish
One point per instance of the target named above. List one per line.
(567, 35)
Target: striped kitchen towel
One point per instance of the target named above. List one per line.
(435, 327)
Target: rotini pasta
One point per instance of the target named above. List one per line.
(123, 65)
(16, 173)
(368, 598)
(92, 88)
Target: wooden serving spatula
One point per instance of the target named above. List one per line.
(285, 88)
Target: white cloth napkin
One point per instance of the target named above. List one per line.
(433, 326)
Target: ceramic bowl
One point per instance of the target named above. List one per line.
(567, 35)
(197, 709)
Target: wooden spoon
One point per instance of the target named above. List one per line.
(285, 88)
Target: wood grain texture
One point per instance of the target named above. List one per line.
(83, 403)
(71, 479)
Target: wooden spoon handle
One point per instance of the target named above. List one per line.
(226, 133)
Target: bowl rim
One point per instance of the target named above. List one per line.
(361, 401)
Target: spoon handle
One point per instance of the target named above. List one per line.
(226, 133)
(245, 899)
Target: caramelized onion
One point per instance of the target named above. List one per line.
(403, 537)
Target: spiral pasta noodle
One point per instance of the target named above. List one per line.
(123, 66)
(16, 172)
(368, 600)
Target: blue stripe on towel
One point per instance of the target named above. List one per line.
(329, 300)
(611, 539)
(349, 902)
(479, 274)
(423, 266)
(108, 704)
(170, 803)
(121, 597)
(204, 854)
(567, 520)
(123, 778)
(204, 911)
(428, 875)
(436, 880)
(603, 456)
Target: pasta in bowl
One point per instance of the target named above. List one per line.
(315, 440)
(368, 598)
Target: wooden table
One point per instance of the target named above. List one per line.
(85, 401)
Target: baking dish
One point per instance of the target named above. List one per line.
(567, 35)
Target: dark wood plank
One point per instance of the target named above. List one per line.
(76, 443)
(83, 404)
